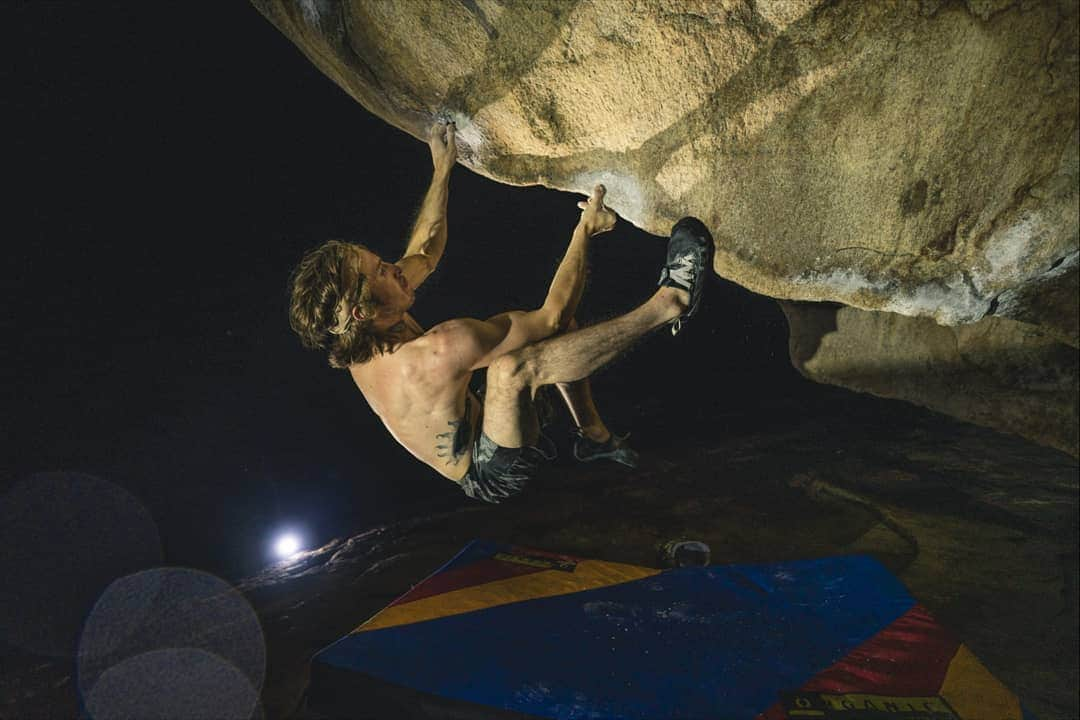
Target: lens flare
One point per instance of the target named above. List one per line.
(287, 545)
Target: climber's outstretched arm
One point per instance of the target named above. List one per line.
(428, 239)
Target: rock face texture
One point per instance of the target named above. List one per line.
(914, 157)
(1001, 373)
(919, 158)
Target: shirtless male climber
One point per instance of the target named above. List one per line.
(348, 301)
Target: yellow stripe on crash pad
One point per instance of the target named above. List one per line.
(588, 575)
(974, 693)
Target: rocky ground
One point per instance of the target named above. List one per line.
(981, 527)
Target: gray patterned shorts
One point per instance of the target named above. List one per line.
(498, 472)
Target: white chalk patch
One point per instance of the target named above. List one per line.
(470, 137)
(602, 608)
(683, 613)
(624, 193)
(950, 301)
(534, 692)
(1006, 249)
(313, 11)
(842, 282)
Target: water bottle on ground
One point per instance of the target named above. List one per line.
(684, 553)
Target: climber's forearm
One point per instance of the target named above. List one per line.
(428, 238)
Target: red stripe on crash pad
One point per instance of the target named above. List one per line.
(475, 573)
(908, 658)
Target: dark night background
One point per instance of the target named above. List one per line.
(166, 166)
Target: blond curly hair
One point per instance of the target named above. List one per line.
(322, 295)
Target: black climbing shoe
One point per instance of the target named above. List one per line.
(689, 262)
(615, 449)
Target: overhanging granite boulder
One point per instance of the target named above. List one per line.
(917, 158)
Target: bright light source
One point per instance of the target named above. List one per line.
(287, 545)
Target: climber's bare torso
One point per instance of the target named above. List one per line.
(419, 389)
(420, 396)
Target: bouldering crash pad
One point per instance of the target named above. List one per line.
(511, 632)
